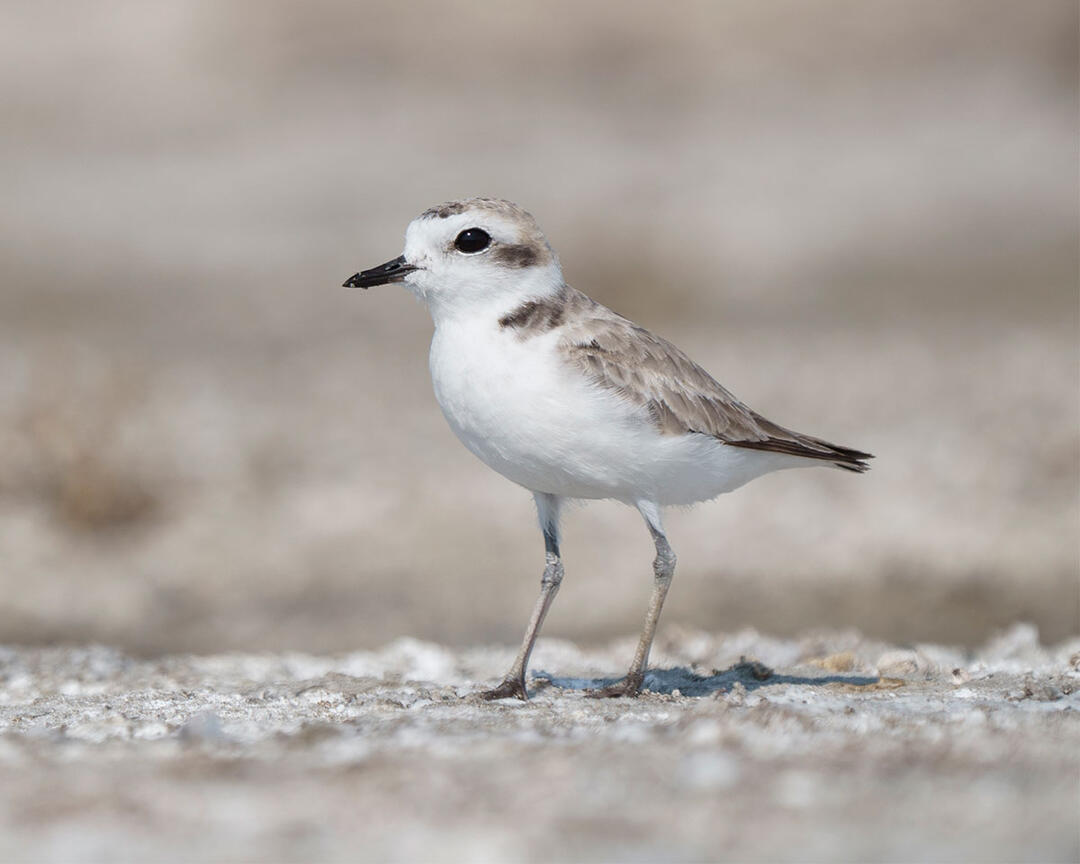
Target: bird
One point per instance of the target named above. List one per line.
(570, 400)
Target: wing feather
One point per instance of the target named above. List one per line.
(679, 396)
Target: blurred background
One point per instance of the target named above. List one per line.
(862, 217)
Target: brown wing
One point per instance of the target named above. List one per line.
(679, 395)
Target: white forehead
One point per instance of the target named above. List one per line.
(431, 232)
(503, 220)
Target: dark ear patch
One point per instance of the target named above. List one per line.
(518, 255)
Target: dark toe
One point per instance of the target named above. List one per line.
(629, 687)
(509, 688)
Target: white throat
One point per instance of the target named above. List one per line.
(483, 295)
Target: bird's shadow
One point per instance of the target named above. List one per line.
(750, 674)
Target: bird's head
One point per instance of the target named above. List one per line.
(470, 254)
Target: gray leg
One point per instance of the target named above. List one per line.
(663, 570)
(513, 684)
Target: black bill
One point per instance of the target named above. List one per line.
(391, 271)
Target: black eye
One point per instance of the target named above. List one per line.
(472, 240)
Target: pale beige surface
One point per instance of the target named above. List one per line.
(850, 749)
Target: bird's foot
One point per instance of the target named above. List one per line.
(630, 686)
(509, 688)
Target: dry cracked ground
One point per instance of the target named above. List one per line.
(826, 747)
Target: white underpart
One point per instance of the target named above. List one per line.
(522, 408)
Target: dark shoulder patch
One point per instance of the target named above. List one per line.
(521, 316)
(537, 316)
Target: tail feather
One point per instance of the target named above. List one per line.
(811, 448)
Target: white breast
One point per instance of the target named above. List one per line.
(518, 407)
(538, 421)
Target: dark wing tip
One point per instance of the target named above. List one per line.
(854, 460)
(856, 467)
(812, 448)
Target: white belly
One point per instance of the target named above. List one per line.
(539, 422)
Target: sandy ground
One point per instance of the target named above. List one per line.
(830, 746)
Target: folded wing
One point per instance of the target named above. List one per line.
(680, 397)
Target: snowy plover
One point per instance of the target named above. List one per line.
(570, 400)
